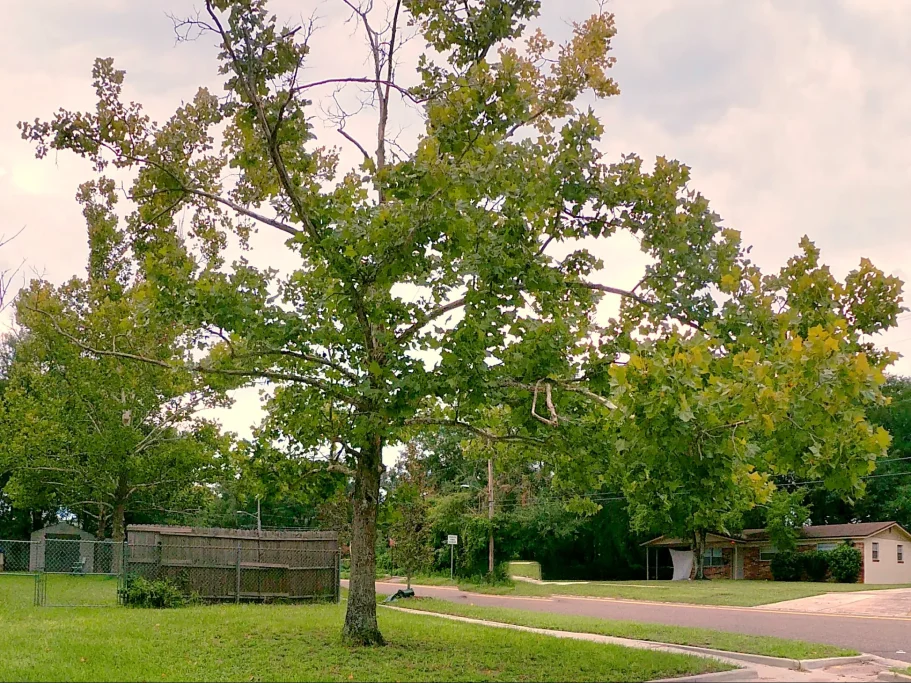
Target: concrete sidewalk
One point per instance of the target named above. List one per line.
(895, 602)
(862, 669)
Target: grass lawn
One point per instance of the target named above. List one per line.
(717, 592)
(679, 635)
(290, 642)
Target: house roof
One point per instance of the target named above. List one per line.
(859, 530)
(61, 528)
(822, 531)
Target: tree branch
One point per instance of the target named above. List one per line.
(198, 367)
(427, 317)
(355, 143)
(477, 431)
(360, 79)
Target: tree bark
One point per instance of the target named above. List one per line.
(102, 523)
(699, 551)
(360, 619)
(117, 526)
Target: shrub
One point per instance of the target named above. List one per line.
(815, 564)
(787, 566)
(139, 591)
(845, 563)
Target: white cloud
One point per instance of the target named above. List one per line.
(795, 117)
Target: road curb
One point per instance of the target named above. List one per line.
(812, 664)
(589, 637)
(719, 677)
(765, 660)
(891, 676)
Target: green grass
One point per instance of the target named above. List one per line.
(717, 592)
(531, 570)
(678, 635)
(290, 642)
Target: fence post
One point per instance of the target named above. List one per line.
(237, 591)
(338, 575)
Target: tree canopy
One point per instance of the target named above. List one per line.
(442, 278)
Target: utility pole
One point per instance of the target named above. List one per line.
(490, 514)
(259, 521)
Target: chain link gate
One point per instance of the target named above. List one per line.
(78, 573)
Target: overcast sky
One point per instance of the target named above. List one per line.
(794, 115)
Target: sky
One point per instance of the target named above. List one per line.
(794, 116)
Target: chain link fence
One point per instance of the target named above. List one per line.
(67, 572)
(273, 567)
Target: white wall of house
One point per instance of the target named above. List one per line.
(887, 569)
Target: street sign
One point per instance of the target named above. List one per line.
(452, 539)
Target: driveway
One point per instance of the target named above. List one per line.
(886, 636)
(884, 603)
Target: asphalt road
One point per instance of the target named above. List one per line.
(885, 636)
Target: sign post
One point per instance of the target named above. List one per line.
(452, 540)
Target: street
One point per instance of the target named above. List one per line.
(885, 636)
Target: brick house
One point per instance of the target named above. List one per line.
(748, 555)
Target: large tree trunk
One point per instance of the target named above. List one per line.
(699, 552)
(118, 523)
(360, 619)
(102, 529)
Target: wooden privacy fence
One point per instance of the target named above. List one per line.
(238, 564)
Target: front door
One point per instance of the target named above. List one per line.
(738, 562)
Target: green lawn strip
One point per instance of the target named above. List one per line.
(530, 570)
(716, 592)
(677, 635)
(292, 642)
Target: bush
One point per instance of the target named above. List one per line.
(815, 564)
(787, 566)
(845, 563)
(139, 591)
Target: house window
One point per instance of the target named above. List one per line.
(900, 550)
(766, 553)
(713, 557)
(824, 547)
(875, 551)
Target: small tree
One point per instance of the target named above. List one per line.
(785, 515)
(410, 531)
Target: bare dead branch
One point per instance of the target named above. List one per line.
(534, 407)
(355, 143)
(388, 84)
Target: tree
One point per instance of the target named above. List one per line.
(466, 243)
(102, 433)
(776, 383)
(785, 515)
(410, 530)
(888, 492)
(6, 274)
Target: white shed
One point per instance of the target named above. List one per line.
(60, 548)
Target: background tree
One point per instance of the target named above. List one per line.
(102, 432)
(785, 515)
(888, 491)
(777, 382)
